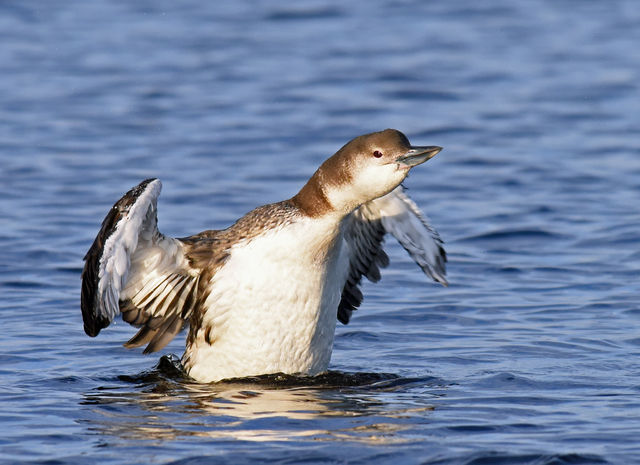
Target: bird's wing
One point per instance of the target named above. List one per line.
(134, 269)
(365, 229)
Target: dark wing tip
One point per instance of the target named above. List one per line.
(351, 299)
(441, 268)
(93, 320)
(344, 314)
(93, 328)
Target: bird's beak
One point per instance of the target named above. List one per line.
(417, 155)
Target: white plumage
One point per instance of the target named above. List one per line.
(272, 310)
(114, 261)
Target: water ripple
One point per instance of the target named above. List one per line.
(529, 356)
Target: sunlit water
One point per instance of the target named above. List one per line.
(530, 356)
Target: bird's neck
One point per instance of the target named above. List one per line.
(312, 199)
(317, 199)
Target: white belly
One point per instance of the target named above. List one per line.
(272, 306)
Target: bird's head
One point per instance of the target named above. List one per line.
(369, 167)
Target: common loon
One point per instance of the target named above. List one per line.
(263, 295)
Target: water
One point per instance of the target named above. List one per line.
(530, 356)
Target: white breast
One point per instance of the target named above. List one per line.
(272, 306)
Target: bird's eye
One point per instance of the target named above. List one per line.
(377, 154)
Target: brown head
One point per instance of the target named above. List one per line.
(366, 168)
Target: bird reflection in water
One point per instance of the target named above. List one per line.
(165, 404)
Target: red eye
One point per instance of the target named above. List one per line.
(377, 154)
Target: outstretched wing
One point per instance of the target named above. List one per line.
(134, 269)
(365, 229)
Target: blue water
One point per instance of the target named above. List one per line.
(531, 356)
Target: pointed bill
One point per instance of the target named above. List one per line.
(418, 155)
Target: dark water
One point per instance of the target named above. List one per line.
(532, 355)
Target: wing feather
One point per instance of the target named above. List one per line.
(134, 269)
(403, 219)
(365, 229)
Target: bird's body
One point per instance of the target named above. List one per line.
(281, 304)
(263, 295)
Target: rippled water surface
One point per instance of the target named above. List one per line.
(530, 356)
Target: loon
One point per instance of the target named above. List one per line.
(263, 295)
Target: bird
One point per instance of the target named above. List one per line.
(262, 296)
